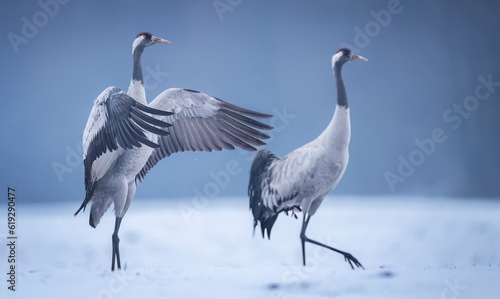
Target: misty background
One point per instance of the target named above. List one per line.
(425, 59)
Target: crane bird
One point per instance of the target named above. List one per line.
(177, 120)
(300, 181)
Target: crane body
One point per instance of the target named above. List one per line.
(125, 137)
(301, 180)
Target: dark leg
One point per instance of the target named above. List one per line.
(305, 221)
(347, 256)
(116, 249)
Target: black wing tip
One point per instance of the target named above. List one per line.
(242, 118)
(236, 141)
(244, 111)
(148, 109)
(78, 211)
(148, 127)
(264, 115)
(88, 195)
(83, 206)
(265, 136)
(191, 90)
(151, 120)
(266, 127)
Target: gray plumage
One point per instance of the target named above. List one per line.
(204, 123)
(117, 120)
(301, 180)
(125, 137)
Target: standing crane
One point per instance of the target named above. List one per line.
(125, 137)
(301, 180)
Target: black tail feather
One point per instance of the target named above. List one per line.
(259, 174)
(88, 196)
(267, 224)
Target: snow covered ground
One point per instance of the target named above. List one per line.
(410, 247)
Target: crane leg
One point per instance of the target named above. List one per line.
(116, 242)
(347, 256)
(305, 221)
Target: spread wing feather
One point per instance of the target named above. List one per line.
(204, 123)
(116, 121)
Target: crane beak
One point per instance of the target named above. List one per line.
(355, 56)
(155, 40)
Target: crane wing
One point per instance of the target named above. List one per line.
(204, 123)
(287, 179)
(116, 121)
(275, 186)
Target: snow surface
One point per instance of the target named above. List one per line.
(410, 247)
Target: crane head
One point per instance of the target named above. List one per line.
(344, 55)
(145, 39)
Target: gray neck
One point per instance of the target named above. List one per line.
(338, 133)
(136, 89)
(341, 94)
(137, 72)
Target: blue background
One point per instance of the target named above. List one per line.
(424, 57)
